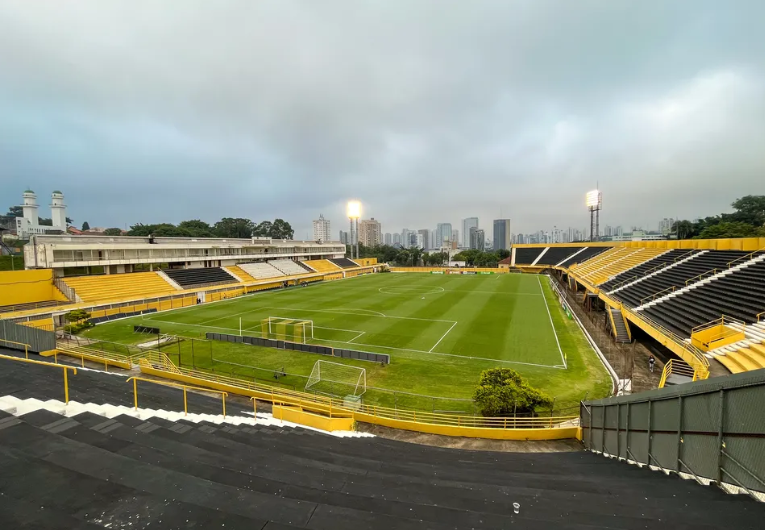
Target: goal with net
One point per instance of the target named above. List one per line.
(336, 379)
(290, 329)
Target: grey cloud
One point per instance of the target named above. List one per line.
(426, 111)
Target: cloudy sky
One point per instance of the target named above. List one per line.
(427, 111)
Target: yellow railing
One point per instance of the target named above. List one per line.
(719, 322)
(701, 276)
(336, 408)
(656, 295)
(97, 356)
(26, 346)
(678, 368)
(699, 359)
(175, 385)
(745, 257)
(64, 367)
(761, 316)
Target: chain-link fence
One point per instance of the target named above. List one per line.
(713, 429)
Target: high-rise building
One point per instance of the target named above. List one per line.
(665, 226)
(419, 240)
(443, 235)
(456, 238)
(618, 231)
(467, 224)
(423, 238)
(502, 234)
(396, 238)
(477, 238)
(370, 232)
(406, 238)
(345, 238)
(388, 238)
(321, 229)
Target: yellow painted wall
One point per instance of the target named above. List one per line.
(23, 287)
(749, 244)
(295, 415)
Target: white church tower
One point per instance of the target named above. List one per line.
(58, 211)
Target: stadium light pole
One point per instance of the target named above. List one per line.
(594, 201)
(353, 210)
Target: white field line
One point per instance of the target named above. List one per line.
(562, 357)
(355, 312)
(406, 350)
(490, 292)
(356, 337)
(442, 337)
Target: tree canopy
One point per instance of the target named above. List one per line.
(747, 220)
(503, 392)
(234, 227)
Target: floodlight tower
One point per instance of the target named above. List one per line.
(594, 201)
(354, 212)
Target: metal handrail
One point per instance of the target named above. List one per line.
(657, 294)
(701, 276)
(43, 363)
(744, 257)
(176, 385)
(26, 346)
(335, 407)
(675, 367)
(760, 316)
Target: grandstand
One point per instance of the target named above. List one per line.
(261, 270)
(119, 286)
(200, 277)
(240, 273)
(344, 263)
(322, 265)
(290, 267)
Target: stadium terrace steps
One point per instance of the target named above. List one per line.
(157, 472)
(289, 267)
(555, 255)
(200, 277)
(580, 257)
(675, 276)
(322, 265)
(639, 271)
(261, 270)
(620, 328)
(527, 255)
(738, 292)
(621, 261)
(344, 263)
(240, 274)
(126, 286)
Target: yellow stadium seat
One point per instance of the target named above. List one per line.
(129, 286)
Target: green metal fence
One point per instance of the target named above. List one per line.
(713, 429)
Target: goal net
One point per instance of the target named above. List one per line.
(336, 379)
(290, 329)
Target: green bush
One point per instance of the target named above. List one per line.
(77, 315)
(503, 392)
(75, 328)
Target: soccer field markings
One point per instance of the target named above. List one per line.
(393, 348)
(408, 289)
(562, 357)
(442, 338)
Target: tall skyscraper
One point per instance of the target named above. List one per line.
(321, 229)
(370, 232)
(424, 233)
(406, 238)
(396, 238)
(665, 226)
(467, 224)
(344, 238)
(443, 235)
(388, 238)
(456, 238)
(477, 238)
(502, 234)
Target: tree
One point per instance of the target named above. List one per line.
(503, 392)
(503, 253)
(728, 229)
(683, 229)
(263, 229)
(750, 209)
(234, 227)
(77, 315)
(196, 228)
(112, 232)
(281, 229)
(86, 226)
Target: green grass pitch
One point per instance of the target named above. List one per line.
(440, 331)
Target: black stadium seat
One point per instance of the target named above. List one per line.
(526, 256)
(555, 255)
(190, 278)
(344, 263)
(587, 253)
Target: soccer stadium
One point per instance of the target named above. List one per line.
(334, 265)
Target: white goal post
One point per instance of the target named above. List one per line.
(285, 328)
(337, 379)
